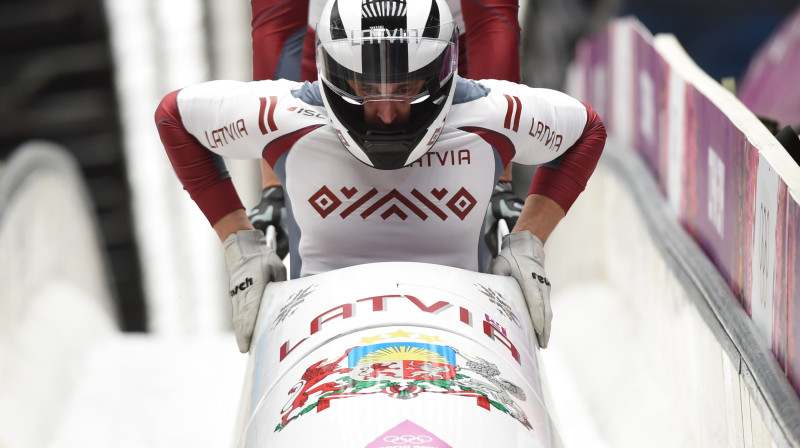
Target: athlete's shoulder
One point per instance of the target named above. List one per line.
(238, 119)
(271, 106)
(500, 92)
(538, 123)
(301, 111)
(207, 103)
(483, 103)
(486, 97)
(469, 90)
(235, 93)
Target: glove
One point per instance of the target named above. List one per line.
(271, 211)
(251, 265)
(503, 205)
(522, 257)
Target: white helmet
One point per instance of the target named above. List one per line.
(387, 50)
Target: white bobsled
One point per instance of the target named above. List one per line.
(395, 355)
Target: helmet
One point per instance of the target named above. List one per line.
(371, 51)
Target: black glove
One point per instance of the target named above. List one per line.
(271, 211)
(504, 204)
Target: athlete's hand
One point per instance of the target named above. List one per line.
(251, 265)
(522, 257)
(505, 205)
(271, 211)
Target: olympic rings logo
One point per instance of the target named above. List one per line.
(408, 438)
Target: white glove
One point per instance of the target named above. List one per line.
(522, 257)
(251, 265)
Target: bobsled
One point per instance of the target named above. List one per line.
(384, 355)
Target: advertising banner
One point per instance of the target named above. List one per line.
(621, 75)
(792, 316)
(780, 305)
(673, 181)
(650, 103)
(396, 354)
(760, 299)
(720, 169)
(727, 195)
(592, 58)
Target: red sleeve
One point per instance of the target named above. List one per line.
(492, 38)
(202, 173)
(274, 22)
(565, 178)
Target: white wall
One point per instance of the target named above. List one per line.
(55, 302)
(643, 359)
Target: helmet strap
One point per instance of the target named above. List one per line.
(435, 90)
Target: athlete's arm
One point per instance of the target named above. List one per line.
(553, 191)
(201, 172)
(231, 223)
(250, 262)
(557, 184)
(540, 216)
(563, 179)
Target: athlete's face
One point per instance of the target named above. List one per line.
(387, 106)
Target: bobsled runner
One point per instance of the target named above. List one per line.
(395, 355)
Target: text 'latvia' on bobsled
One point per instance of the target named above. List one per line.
(395, 355)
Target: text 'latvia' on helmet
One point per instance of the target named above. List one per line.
(387, 71)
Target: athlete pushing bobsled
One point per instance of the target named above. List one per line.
(389, 156)
(284, 38)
